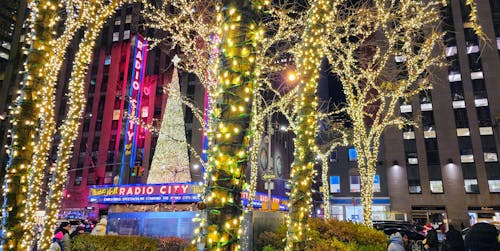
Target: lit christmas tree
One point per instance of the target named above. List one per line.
(170, 161)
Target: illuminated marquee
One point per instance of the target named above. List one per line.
(189, 192)
(134, 134)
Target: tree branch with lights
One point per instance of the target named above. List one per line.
(382, 52)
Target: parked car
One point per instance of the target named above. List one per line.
(390, 227)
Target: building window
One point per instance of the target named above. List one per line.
(333, 156)
(436, 186)
(431, 148)
(355, 184)
(116, 36)
(451, 51)
(428, 121)
(462, 132)
(334, 184)
(494, 186)
(461, 118)
(78, 181)
(471, 186)
(457, 91)
(376, 184)
(353, 154)
(483, 116)
(413, 174)
(454, 76)
(405, 108)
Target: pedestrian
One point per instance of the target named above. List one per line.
(431, 239)
(454, 240)
(100, 228)
(395, 242)
(482, 237)
(57, 242)
(78, 231)
(65, 227)
(406, 242)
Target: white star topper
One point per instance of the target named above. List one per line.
(176, 60)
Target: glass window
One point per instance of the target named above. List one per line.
(436, 186)
(376, 184)
(481, 102)
(471, 186)
(451, 51)
(353, 154)
(457, 91)
(428, 120)
(405, 108)
(461, 118)
(413, 175)
(484, 117)
(461, 132)
(333, 156)
(355, 183)
(454, 76)
(334, 184)
(494, 186)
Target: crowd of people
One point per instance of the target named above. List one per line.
(62, 236)
(481, 237)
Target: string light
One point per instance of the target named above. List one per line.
(76, 17)
(70, 127)
(362, 46)
(309, 58)
(24, 116)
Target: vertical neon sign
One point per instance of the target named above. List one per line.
(132, 129)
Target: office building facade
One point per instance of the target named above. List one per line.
(447, 168)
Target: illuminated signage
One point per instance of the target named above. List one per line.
(134, 134)
(189, 192)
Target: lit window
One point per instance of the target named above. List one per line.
(334, 184)
(116, 114)
(468, 158)
(430, 134)
(471, 186)
(107, 61)
(436, 186)
(488, 130)
(481, 102)
(4, 55)
(355, 184)
(472, 49)
(415, 188)
(454, 76)
(490, 157)
(145, 112)
(405, 108)
(451, 51)
(458, 104)
(128, 19)
(413, 161)
(494, 186)
(426, 107)
(376, 184)
(118, 22)
(353, 154)
(6, 45)
(116, 36)
(126, 34)
(476, 75)
(462, 132)
(409, 135)
(400, 59)
(498, 43)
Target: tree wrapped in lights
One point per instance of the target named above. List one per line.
(70, 127)
(76, 15)
(381, 51)
(25, 114)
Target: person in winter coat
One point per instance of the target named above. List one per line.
(57, 242)
(396, 242)
(431, 242)
(79, 230)
(482, 237)
(65, 227)
(454, 240)
(100, 228)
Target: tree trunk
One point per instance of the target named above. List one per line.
(228, 157)
(308, 64)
